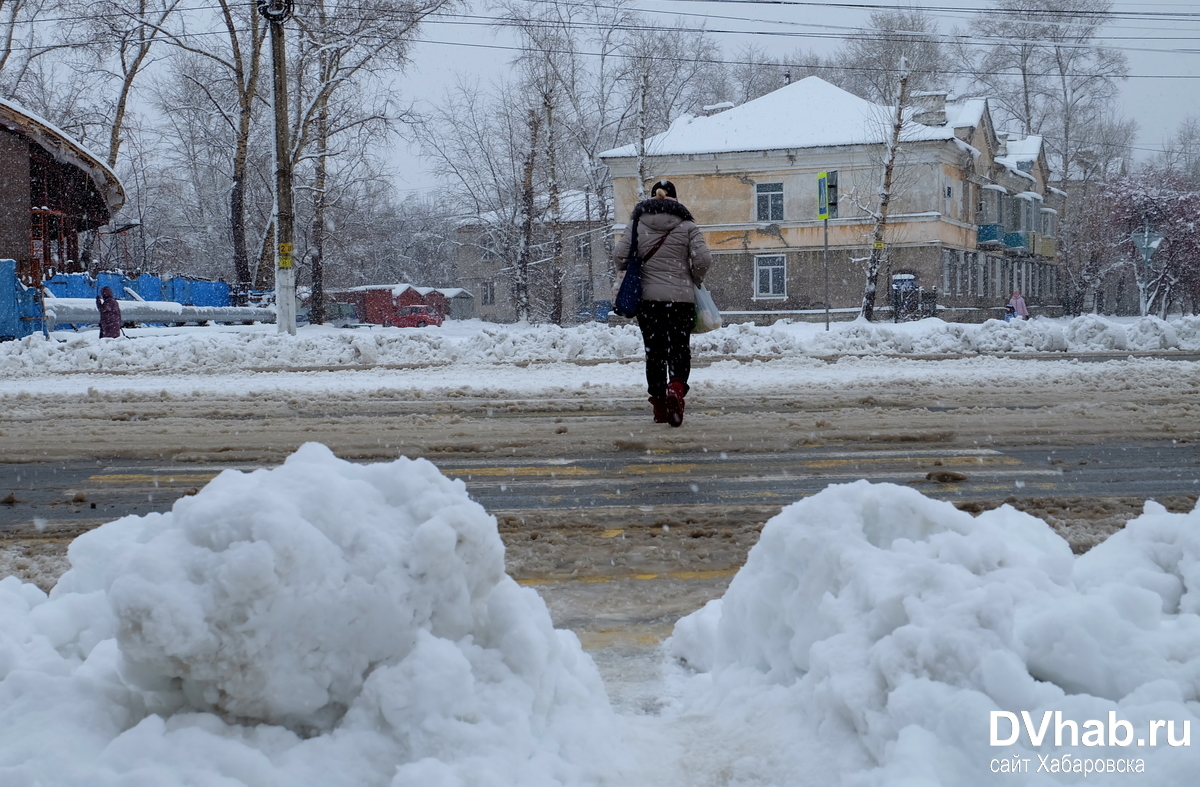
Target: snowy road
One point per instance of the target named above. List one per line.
(624, 527)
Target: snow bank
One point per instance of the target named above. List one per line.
(323, 623)
(887, 627)
(258, 348)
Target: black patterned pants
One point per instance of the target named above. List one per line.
(666, 331)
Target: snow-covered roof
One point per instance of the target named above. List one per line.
(60, 145)
(965, 112)
(805, 114)
(1021, 151)
(399, 289)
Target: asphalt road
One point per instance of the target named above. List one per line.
(75, 495)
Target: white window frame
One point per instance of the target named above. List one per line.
(774, 262)
(487, 293)
(773, 200)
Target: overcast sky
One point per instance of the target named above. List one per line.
(1164, 59)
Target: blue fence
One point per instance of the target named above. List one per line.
(21, 314)
(181, 289)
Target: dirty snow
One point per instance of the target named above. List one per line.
(886, 627)
(326, 623)
(262, 348)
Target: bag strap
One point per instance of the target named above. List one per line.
(658, 245)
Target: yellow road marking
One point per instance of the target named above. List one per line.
(946, 461)
(653, 469)
(142, 478)
(526, 471)
(612, 532)
(593, 580)
(669, 468)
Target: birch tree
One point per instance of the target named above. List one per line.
(879, 214)
(868, 62)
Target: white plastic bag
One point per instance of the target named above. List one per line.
(707, 316)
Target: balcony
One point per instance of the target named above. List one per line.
(990, 234)
(1015, 240)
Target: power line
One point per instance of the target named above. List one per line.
(711, 61)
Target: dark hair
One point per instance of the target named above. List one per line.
(667, 186)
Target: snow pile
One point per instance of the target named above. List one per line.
(549, 343)
(322, 623)
(887, 627)
(261, 348)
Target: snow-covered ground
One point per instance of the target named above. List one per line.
(218, 349)
(329, 623)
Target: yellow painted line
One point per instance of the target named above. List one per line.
(141, 478)
(946, 461)
(612, 532)
(521, 471)
(595, 580)
(657, 469)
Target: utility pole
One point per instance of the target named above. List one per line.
(277, 12)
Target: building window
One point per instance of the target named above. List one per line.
(583, 247)
(770, 276)
(1048, 221)
(583, 292)
(770, 201)
(487, 293)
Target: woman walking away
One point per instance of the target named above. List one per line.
(1018, 305)
(110, 314)
(674, 257)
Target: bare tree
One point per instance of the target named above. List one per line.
(1182, 152)
(30, 30)
(879, 214)
(233, 47)
(341, 51)
(869, 61)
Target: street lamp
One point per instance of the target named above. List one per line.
(1146, 242)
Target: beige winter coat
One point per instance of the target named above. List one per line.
(682, 260)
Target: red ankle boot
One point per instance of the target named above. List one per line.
(675, 393)
(660, 409)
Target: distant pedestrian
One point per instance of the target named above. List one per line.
(110, 314)
(1018, 305)
(675, 258)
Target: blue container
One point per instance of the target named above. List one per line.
(1014, 240)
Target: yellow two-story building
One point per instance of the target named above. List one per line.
(971, 215)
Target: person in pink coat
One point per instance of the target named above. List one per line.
(1018, 304)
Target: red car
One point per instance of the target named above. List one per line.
(415, 317)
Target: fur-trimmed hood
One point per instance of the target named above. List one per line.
(674, 207)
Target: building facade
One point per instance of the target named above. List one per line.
(971, 214)
(51, 190)
(488, 249)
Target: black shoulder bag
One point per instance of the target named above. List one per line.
(629, 296)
